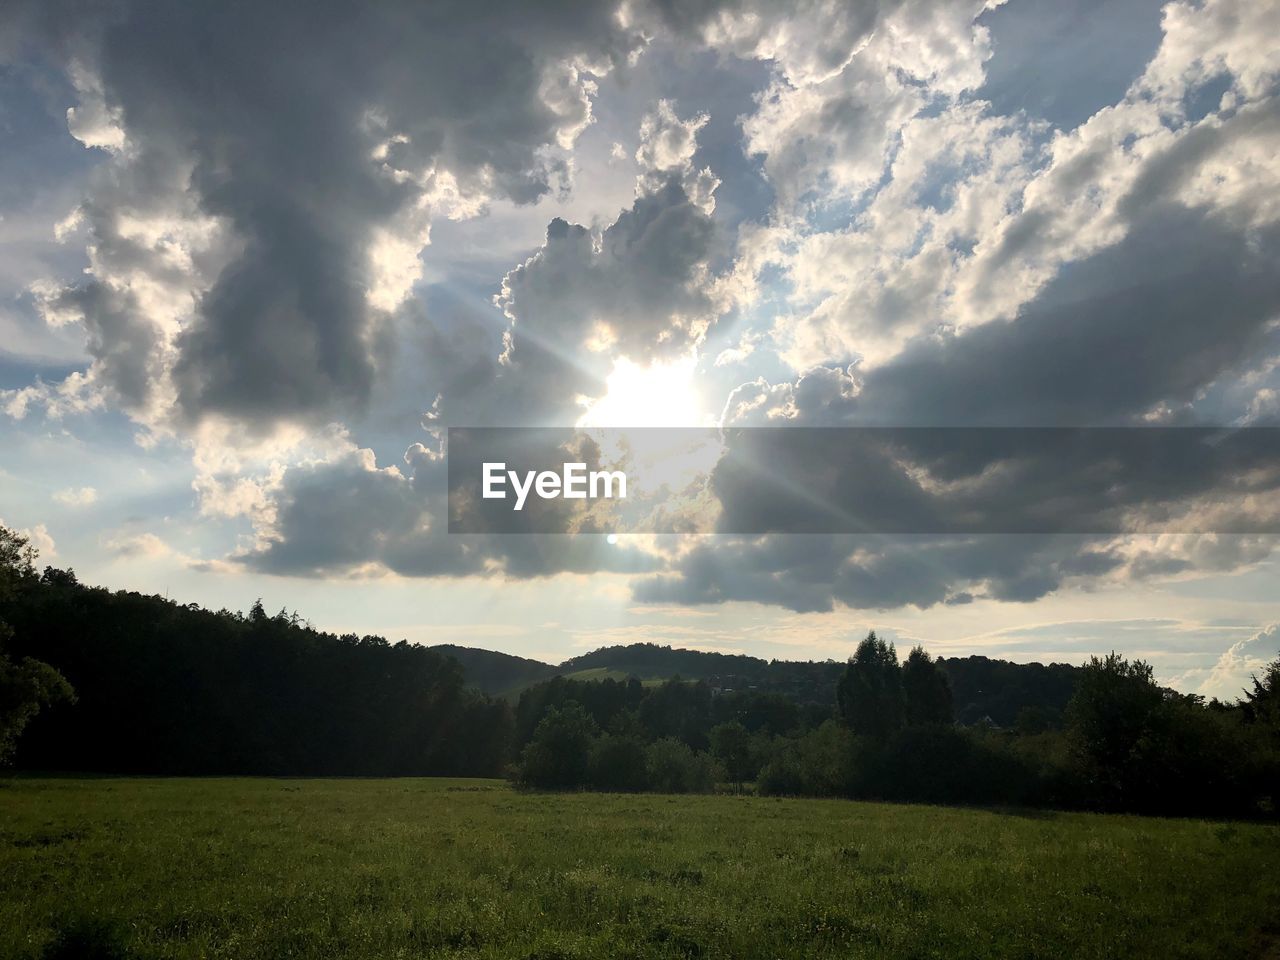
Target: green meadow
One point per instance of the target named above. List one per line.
(259, 868)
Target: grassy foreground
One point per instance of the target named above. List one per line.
(410, 868)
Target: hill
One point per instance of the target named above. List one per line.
(983, 689)
(806, 681)
(1006, 693)
(492, 672)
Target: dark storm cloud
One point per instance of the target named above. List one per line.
(814, 573)
(343, 515)
(275, 110)
(1183, 299)
(126, 347)
(640, 285)
(1186, 298)
(1115, 336)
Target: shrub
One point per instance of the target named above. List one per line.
(822, 763)
(945, 764)
(618, 763)
(674, 768)
(559, 753)
(731, 746)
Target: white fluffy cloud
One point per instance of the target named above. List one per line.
(971, 214)
(1242, 660)
(76, 496)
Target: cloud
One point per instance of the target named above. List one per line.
(1123, 335)
(1230, 675)
(137, 546)
(76, 497)
(960, 217)
(667, 146)
(347, 516)
(826, 126)
(641, 288)
(39, 538)
(275, 169)
(960, 205)
(809, 573)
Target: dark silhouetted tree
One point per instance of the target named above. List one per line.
(27, 685)
(869, 694)
(618, 764)
(1106, 720)
(559, 754)
(926, 693)
(171, 689)
(731, 745)
(1262, 701)
(674, 768)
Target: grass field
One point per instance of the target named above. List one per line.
(416, 868)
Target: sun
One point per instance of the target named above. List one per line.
(659, 395)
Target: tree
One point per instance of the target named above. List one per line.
(559, 754)
(27, 685)
(618, 764)
(1262, 703)
(820, 763)
(1262, 718)
(1107, 718)
(731, 745)
(17, 560)
(926, 693)
(674, 768)
(59, 578)
(869, 693)
(167, 688)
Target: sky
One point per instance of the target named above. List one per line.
(255, 258)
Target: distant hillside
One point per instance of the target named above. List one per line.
(999, 691)
(982, 688)
(806, 681)
(651, 659)
(492, 672)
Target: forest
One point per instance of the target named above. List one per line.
(93, 680)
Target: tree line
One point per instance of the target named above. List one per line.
(1028, 695)
(119, 682)
(94, 680)
(1121, 743)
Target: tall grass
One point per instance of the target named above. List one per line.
(240, 868)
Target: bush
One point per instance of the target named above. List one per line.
(674, 768)
(558, 756)
(822, 763)
(618, 763)
(1107, 716)
(731, 746)
(944, 764)
(1190, 760)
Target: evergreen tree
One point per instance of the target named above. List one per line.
(925, 689)
(869, 694)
